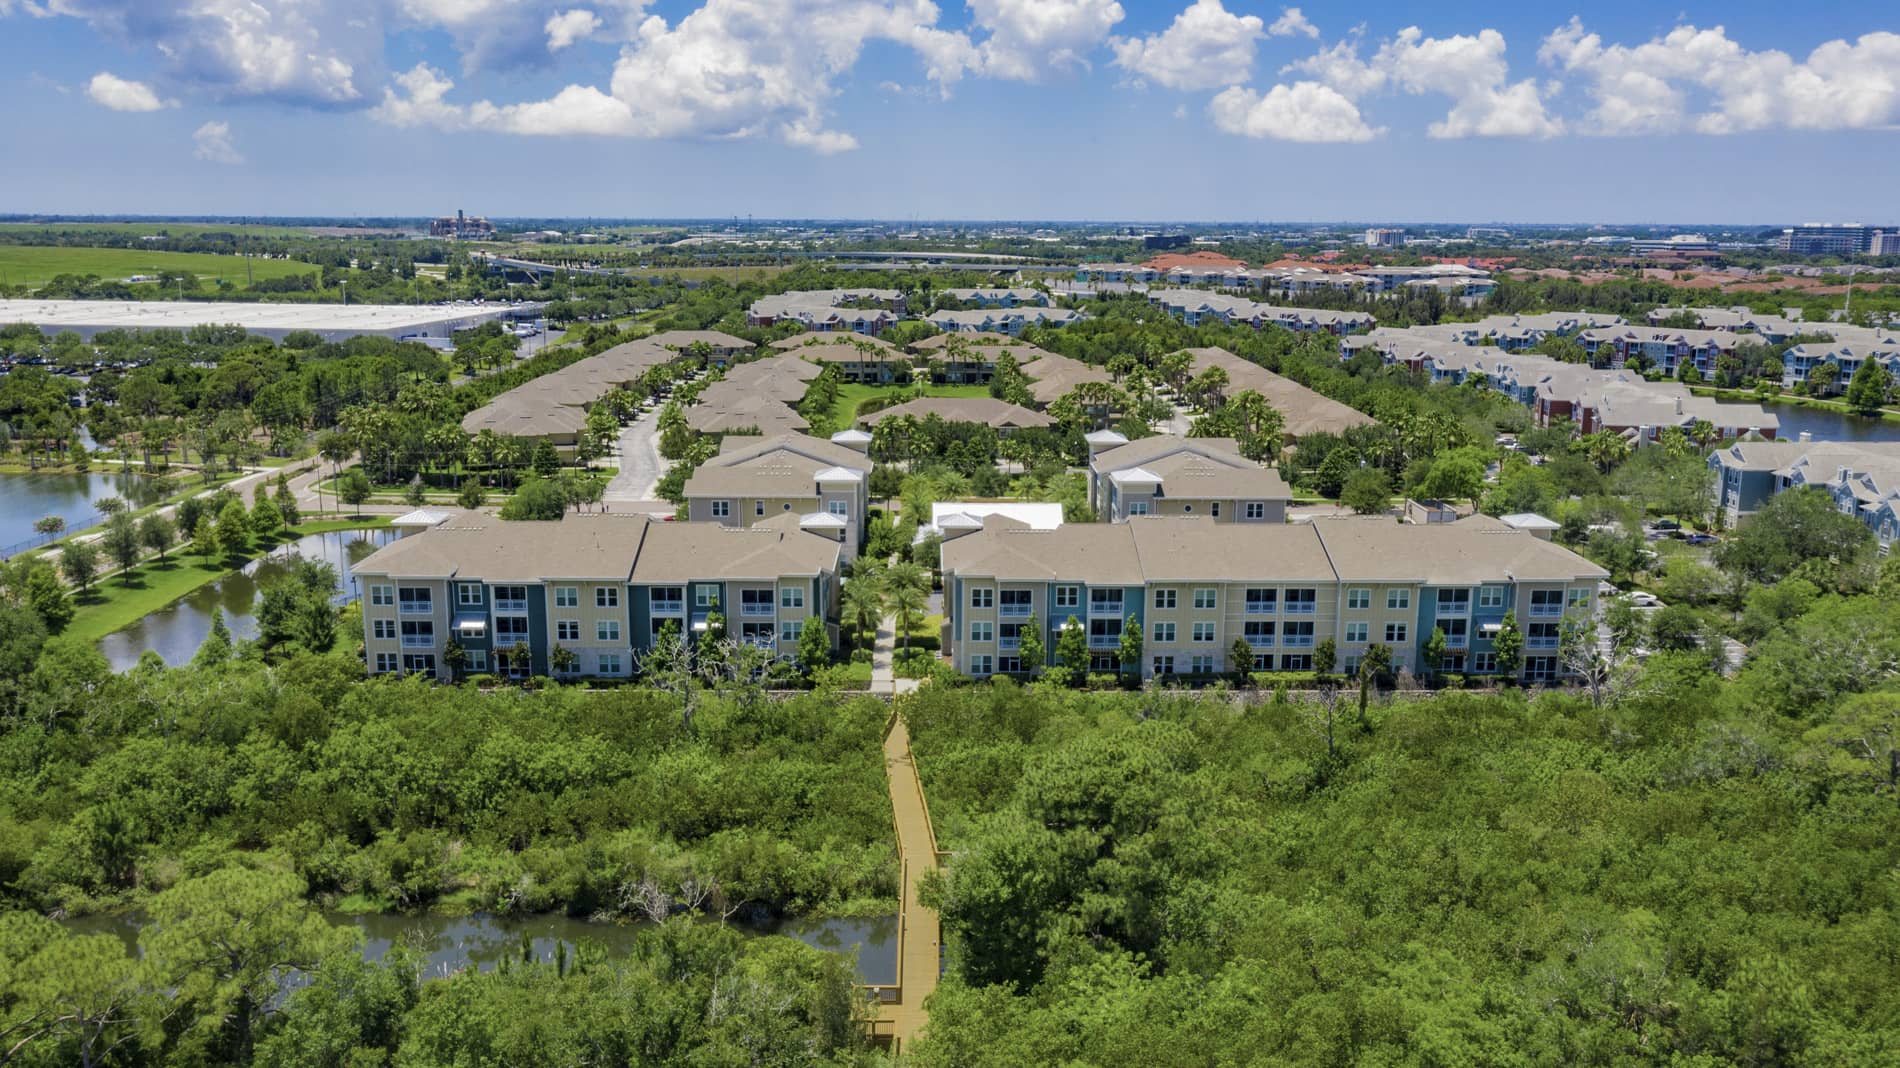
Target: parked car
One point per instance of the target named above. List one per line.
(1701, 539)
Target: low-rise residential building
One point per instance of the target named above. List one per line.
(1800, 362)
(999, 298)
(1303, 410)
(1007, 418)
(855, 311)
(1195, 586)
(600, 587)
(1168, 475)
(1195, 307)
(1116, 272)
(718, 348)
(823, 484)
(1662, 347)
(553, 407)
(1011, 320)
(859, 359)
(1863, 477)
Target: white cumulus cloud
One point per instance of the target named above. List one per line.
(1290, 23)
(570, 26)
(109, 90)
(1028, 39)
(213, 143)
(1304, 111)
(1206, 47)
(1700, 79)
(1469, 69)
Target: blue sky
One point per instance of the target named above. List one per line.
(1039, 109)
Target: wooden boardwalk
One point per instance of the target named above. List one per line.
(919, 938)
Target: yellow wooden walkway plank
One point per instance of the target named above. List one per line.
(919, 947)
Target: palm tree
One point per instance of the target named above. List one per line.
(863, 604)
(906, 586)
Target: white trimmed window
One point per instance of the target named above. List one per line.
(980, 664)
(468, 593)
(791, 597)
(475, 660)
(1068, 596)
(567, 630)
(385, 628)
(1256, 509)
(1398, 599)
(1356, 632)
(609, 664)
(982, 630)
(607, 630)
(1206, 599)
(1203, 632)
(1359, 600)
(606, 597)
(982, 597)
(382, 595)
(1202, 665)
(790, 629)
(1490, 597)
(567, 597)
(1164, 665)
(385, 662)
(721, 509)
(1165, 600)
(1395, 633)
(1161, 633)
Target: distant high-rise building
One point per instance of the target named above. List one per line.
(1827, 239)
(1162, 242)
(1378, 237)
(1675, 244)
(1885, 243)
(460, 227)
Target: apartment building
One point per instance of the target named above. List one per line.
(823, 485)
(999, 298)
(970, 358)
(598, 586)
(1194, 586)
(1665, 348)
(855, 311)
(859, 359)
(1116, 272)
(1196, 307)
(1799, 362)
(1011, 321)
(1167, 475)
(1303, 410)
(1863, 478)
(1005, 417)
(553, 407)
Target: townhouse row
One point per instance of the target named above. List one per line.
(600, 587)
(1862, 477)
(1196, 587)
(1196, 307)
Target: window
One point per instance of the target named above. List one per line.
(982, 597)
(567, 597)
(418, 633)
(1104, 601)
(1356, 632)
(1206, 599)
(1540, 668)
(468, 593)
(567, 630)
(982, 631)
(1214, 509)
(415, 600)
(1164, 599)
(606, 630)
(758, 507)
(1262, 662)
(1137, 507)
(1484, 663)
(382, 595)
(420, 664)
(1161, 633)
(1359, 600)
(1490, 597)
(1163, 665)
(721, 509)
(475, 660)
(385, 662)
(1257, 633)
(1301, 662)
(755, 602)
(980, 664)
(1068, 597)
(668, 598)
(790, 629)
(705, 596)
(385, 628)
(1395, 633)
(609, 664)
(1015, 603)
(841, 509)
(1203, 632)
(1457, 632)
(1579, 596)
(1009, 665)
(1302, 602)
(511, 598)
(1542, 636)
(791, 597)
(1297, 635)
(1262, 602)
(606, 597)
(1255, 510)
(1105, 631)
(510, 630)
(1202, 665)
(759, 634)
(1396, 600)
(1547, 602)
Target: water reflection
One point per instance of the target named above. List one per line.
(27, 496)
(481, 940)
(176, 631)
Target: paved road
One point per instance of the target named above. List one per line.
(641, 465)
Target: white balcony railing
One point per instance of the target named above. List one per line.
(418, 608)
(1260, 608)
(1105, 641)
(511, 605)
(1458, 608)
(509, 641)
(414, 641)
(1260, 641)
(1009, 644)
(756, 610)
(669, 608)
(1540, 643)
(1545, 611)
(1297, 641)
(1301, 608)
(1013, 611)
(1105, 608)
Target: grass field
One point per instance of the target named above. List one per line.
(844, 412)
(34, 265)
(113, 603)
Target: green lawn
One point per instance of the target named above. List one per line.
(844, 412)
(34, 265)
(112, 604)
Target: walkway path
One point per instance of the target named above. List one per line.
(884, 678)
(919, 946)
(641, 466)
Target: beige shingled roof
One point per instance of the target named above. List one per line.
(683, 552)
(474, 546)
(785, 465)
(1196, 548)
(1104, 553)
(816, 344)
(987, 410)
(1306, 411)
(1468, 552)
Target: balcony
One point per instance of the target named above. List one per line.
(1301, 608)
(1456, 641)
(1105, 641)
(1540, 643)
(1013, 611)
(1453, 609)
(418, 641)
(510, 641)
(1298, 641)
(754, 611)
(1106, 608)
(1009, 643)
(1260, 641)
(668, 608)
(1261, 608)
(511, 605)
(418, 608)
(1546, 611)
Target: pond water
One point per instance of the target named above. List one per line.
(26, 497)
(176, 631)
(453, 943)
(1830, 425)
